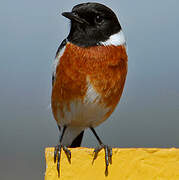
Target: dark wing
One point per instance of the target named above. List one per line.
(63, 43)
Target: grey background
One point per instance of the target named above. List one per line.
(147, 116)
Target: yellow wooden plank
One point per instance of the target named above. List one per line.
(127, 164)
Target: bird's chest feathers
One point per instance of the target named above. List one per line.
(92, 77)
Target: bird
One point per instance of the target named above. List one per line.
(89, 73)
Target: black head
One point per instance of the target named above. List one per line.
(91, 23)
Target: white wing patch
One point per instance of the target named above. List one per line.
(57, 60)
(84, 113)
(115, 39)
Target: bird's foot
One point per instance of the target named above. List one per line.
(108, 155)
(57, 155)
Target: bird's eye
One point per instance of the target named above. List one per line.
(75, 13)
(98, 19)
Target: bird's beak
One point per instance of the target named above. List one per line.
(74, 17)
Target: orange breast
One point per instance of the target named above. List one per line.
(105, 67)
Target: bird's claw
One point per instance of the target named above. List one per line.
(108, 155)
(57, 155)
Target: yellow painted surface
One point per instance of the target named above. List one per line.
(127, 164)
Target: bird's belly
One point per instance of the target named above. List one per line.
(82, 113)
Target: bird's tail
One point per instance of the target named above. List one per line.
(77, 141)
(73, 136)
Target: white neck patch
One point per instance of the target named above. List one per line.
(115, 39)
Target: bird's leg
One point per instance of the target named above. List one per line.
(107, 150)
(57, 152)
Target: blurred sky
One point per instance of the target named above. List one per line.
(148, 113)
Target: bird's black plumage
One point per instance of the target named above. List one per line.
(91, 23)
